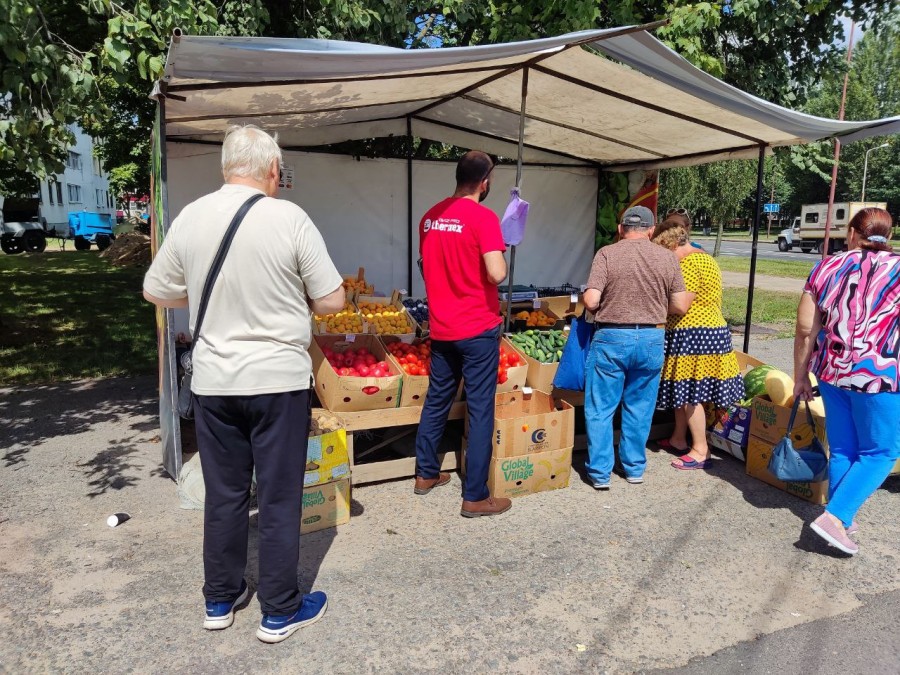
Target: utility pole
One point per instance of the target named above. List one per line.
(771, 201)
(826, 244)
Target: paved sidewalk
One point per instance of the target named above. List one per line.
(642, 577)
(763, 282)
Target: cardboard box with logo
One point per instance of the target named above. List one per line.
(327, 458)
(769, 423)
(768, 426)
(532, 444)
(528, 474)
(326, 505)
(351, 394)
(758, 453)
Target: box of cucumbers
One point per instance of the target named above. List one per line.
(544, 346)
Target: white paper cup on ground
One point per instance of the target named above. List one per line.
(117, 519)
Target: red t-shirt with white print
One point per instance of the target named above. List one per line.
(453, 237)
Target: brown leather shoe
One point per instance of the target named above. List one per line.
(426, 485)
(486, 507)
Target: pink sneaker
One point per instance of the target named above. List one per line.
(853, 529)
(834, 534)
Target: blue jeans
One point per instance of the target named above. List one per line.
(623, 366)
(863, 443)
(476, 360)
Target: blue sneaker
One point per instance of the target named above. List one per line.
(274, 629)
(220, 615)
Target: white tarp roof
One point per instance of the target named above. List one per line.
(648, 108)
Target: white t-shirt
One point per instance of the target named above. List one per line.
(256, 331)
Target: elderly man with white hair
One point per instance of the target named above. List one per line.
(251, 373)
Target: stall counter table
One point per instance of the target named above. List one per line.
(405, 467)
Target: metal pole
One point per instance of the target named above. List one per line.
(409, 207)
(512, 252)
(862, 197)
(826, 244)
(753, 250)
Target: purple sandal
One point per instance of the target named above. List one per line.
(688, 463)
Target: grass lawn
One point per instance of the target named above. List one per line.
(769, 307)
(795, 269)
(70, 315)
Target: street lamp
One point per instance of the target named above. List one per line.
(866, 169)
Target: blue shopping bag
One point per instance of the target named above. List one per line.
(570, 374)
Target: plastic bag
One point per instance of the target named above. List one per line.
(512, 225)
(572, 364)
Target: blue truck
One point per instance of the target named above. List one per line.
(88, 228)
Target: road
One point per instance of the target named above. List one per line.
(766, 250)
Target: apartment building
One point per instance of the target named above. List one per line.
(83, 186)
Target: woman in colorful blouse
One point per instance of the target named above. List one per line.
(848, 335)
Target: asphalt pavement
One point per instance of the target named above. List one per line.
(766, 250)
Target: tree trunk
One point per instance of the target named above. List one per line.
(719, 237)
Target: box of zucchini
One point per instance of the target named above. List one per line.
(542, 350)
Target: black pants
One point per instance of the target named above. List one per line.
(475, 359)
(234, 434)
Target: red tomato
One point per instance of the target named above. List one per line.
(370, 360)
(343, 372)
(513, 359)
(362, 351)
(363, 370)
(503, 377)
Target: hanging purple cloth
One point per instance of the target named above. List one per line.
(513, 222)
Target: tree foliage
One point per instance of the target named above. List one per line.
(94, 61)
(873, 91)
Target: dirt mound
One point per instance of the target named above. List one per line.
(129, 250)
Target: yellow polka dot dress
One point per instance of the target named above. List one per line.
(700, 364)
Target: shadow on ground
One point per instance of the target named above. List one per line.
(31, 416)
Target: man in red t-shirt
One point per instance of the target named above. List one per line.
(462, 262)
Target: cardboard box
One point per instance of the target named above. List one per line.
(769, 422)
(360, 276)
(320, 327)
(758, 453)
(414, 386)
(746, 363)
(566, 307)
(326, 505)
(393, 303)
(736, 450)
(327, 458)
(527, 424)
(517, 375)
(517, 325)
(733, 425)
(540, 375)
(346, 394)
(524, 475)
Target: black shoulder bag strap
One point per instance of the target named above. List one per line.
(214, 270)
(217, 262)
(185, 403)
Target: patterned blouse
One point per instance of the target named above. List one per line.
(858, 294)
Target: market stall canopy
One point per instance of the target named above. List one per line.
(643, 107)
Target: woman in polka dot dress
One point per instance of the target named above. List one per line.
(700, 365)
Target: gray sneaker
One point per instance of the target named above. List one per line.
(601, 486)
(635, 480)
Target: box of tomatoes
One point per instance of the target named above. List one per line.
(414, 359)
(354, 372)
(512, 371)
